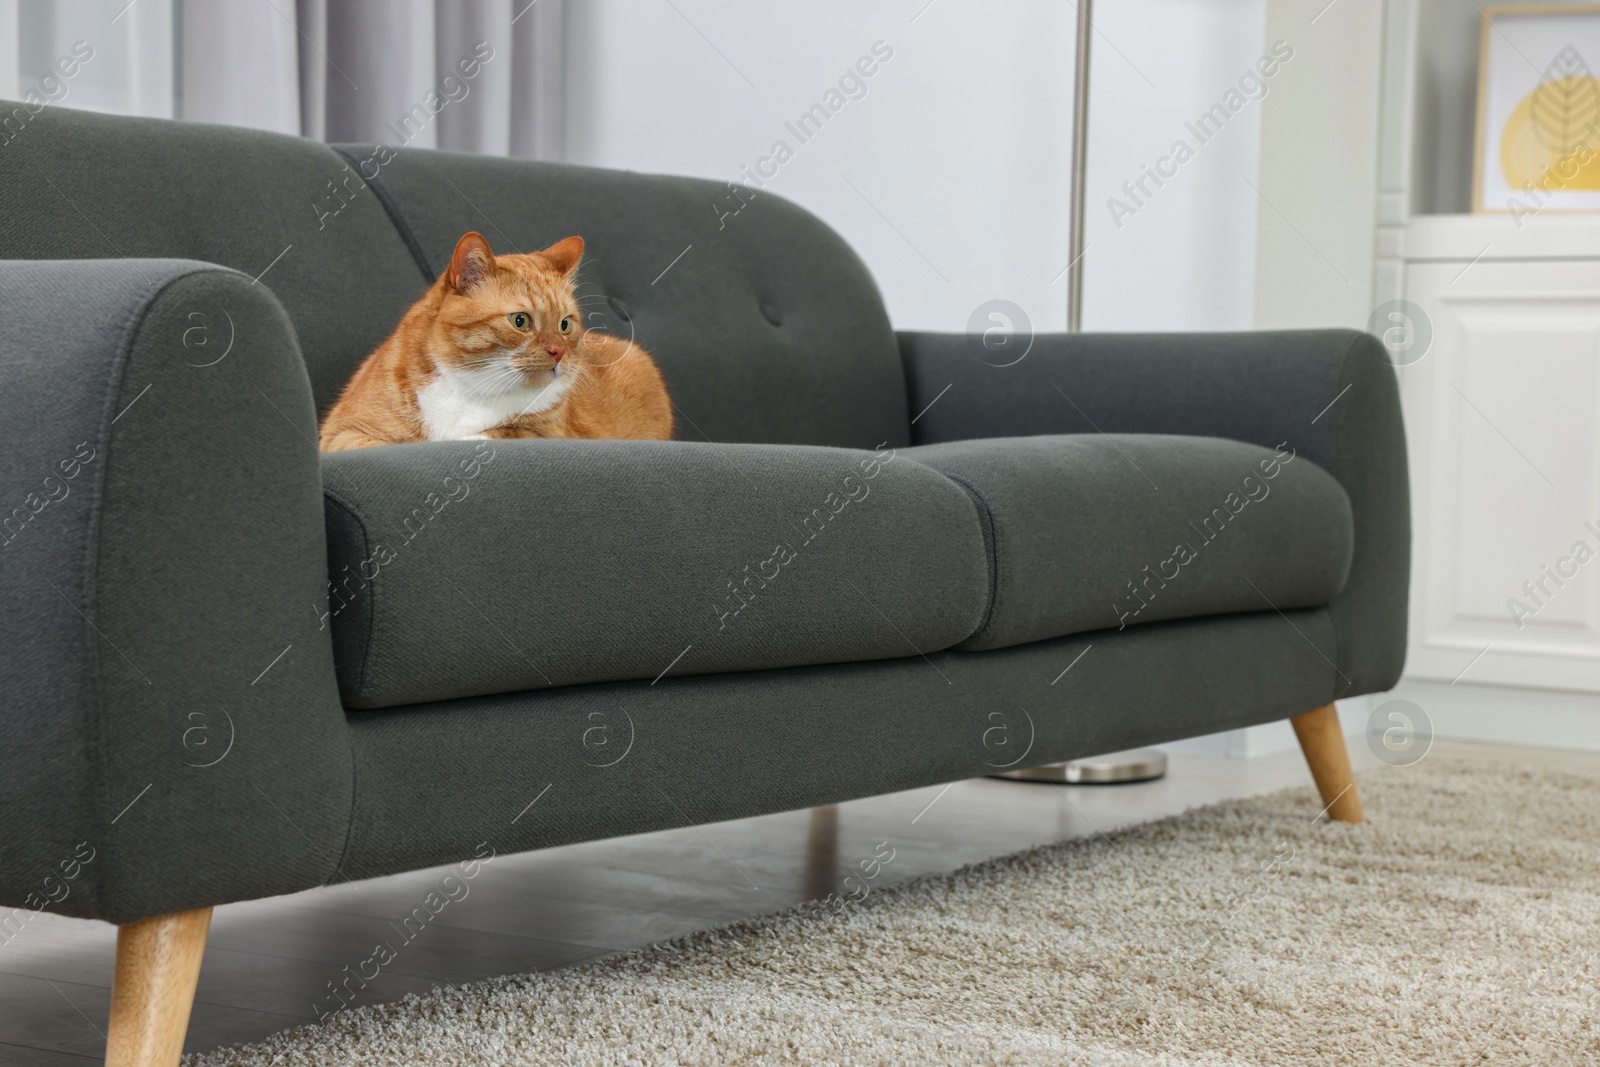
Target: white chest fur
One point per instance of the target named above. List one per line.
(458, 403)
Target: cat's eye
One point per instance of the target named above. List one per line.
(521, 321)
(566, 324)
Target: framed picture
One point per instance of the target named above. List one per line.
(1538, 144)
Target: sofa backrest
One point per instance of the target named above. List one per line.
(766, 325)
(79, 185)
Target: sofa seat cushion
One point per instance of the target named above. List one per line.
(1088, 532)
(465, 568)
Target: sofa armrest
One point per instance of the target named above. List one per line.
(173, 732)
(1330, 394)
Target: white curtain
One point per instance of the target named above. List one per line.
(468, 75)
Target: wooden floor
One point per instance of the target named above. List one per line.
(269, 964)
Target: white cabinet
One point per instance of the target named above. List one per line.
(1502, 413)
(1503, 428)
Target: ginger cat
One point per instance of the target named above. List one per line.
(496, 348)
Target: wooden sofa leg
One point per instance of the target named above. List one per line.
(152, 990)
(1322, 740)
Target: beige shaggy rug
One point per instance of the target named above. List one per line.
(1461, 924)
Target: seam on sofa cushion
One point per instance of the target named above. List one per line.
(370, 591)
(91, 569)
(991, 550)
(349, 823)
(396, 219)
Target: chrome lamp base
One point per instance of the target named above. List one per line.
(1134, 765)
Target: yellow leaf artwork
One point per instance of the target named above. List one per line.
(1552, 137)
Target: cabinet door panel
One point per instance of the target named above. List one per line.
(1503, 417)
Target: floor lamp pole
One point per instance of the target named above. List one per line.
(1080, 166)
(1142, 764)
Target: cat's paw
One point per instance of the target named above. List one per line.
(477, 437)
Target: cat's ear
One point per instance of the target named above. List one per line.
(472, 264)
(564, 255)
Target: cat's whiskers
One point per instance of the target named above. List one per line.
(469, 383)
(486, 380)
(569, 379)
(489, 384)
(515, 380)
(500, 384)
(474, 367)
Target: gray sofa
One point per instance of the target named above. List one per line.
(235, 668)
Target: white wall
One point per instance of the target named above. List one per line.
(950, 175)
(959, 153)
(1319, 170)
(1185, 259)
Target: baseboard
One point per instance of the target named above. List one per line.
(1500, 714)
(1272, 737)
(1492, 714)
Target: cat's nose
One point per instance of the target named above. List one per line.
(556, 351)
